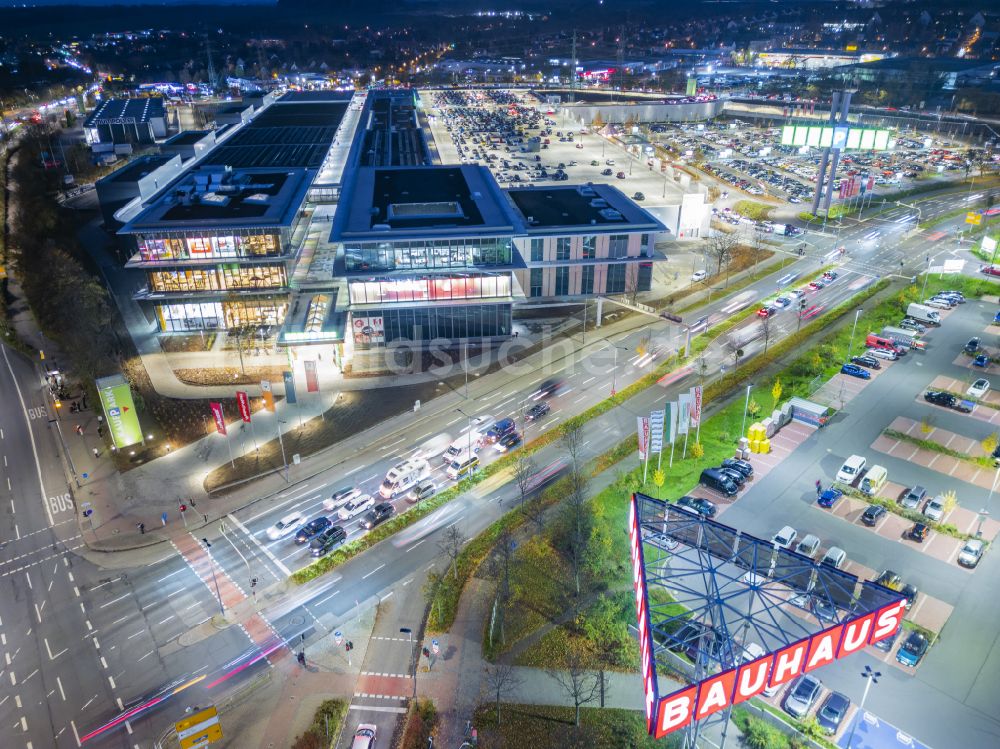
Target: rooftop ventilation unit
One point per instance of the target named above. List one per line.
(586, 190)
(610, 214)
(598, 203)
(258, 198)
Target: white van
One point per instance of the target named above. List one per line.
(403, 477)
(464, 444)
(851, 469)
(874, 480)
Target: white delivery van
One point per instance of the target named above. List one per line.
(403, 477)
(923, 313)
(468, 442)
(874, 480)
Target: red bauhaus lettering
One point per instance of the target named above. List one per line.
(715, 694)
(675, 711)
(823, 648)
(788, 663)
(752, 678)
(887, 621)
(856, 635)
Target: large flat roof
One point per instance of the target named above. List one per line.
(137, 169)
(283, 135)
(211, 198)
(593, 207)
(137, 110)
(399, 202)
(186, 138)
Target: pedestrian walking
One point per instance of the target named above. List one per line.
(819, 487)
(163, 518)
(97, 453)
(142, 528)
(79, 429)
(301, 657)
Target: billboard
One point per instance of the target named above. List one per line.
(878, 614)
(119, 410)
(827, 136)
(369, 329)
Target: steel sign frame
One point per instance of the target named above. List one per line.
(647, 662)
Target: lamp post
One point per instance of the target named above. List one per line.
(470, 428)
(850, 346)
(215, 581)
(985, 512)
(870, 677)
(746, 407)
(281, 443)
(614, 371)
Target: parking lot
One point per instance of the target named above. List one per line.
(497, 128)
(956, 604)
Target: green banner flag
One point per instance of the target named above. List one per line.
(119, 411)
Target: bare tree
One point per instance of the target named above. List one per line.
(429, 590)
(702, 368)
(720, 248)
(766, 329)
(451, 544)
(579, 518)
(580, 685)
(735, 348)
(499, 569)
(757, 245)
(502, 681)
(524, 471)
(572, 443)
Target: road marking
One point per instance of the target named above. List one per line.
(24, 724)
(287, 572)
(354, 470)
(324, 600)
(97, 645)
(31, 436)
(30, 675)
(28, 578)
(116, 600)
(175, 572)
(141, 631)
(365, 577)
(104, 663)
(49, 650)
(376, 708)
(107, 582)
(415, 545)
(165, 620)
(62, 693)
(76, 734)
(111, 681)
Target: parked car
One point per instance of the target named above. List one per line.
(919, 532)
(699, 275)
(377, 514)
(537, 411)
(909, 323)
(855, 371)
(340, 498)
(852, 469)
(979, 388)
(947, 400)
(867, 361)
(784, 538)
(882, 353)
(872, 514)
(620, 175)
(638, 196)
(972, 346)
(322, 544)
(808, 546)
(981, 360)
(606, 172)
(737, 477)
(886, 645)
(912, 650)
(829, 497)
(913, 497)
(889, 579)
(742, 466)
(364, 737)
(910, 593)
(312, 529)
(934, 509)
(286, 526)
(971, 553)
(699, 505)
(802, 695)
(831, 713)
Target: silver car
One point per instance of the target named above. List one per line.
(802, 696)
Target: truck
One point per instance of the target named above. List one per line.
(902, 337)
(742, 336)
(923, 313)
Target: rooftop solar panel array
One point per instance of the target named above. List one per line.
(283, 135)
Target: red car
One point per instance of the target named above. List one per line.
(766, 311)
(990, 270)
(812, 311)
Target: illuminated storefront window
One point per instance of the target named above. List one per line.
(207, 246)
(473, 321)
(175, 318)
(435, 288)
(218, 279)
(416, 255)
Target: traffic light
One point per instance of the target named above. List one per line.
(348, 646)
(427, 653)
(184, 508)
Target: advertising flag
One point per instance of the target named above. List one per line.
(671, 413)
(656, 419)
(218, 416)
(684, 403)
(243, 401)
(696, 407)
(642, 424)
(119, 410)
(312, 380)
(265, 390)
(289, 380)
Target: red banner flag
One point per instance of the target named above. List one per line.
(312, 379)
(243, 401)
(219, 416)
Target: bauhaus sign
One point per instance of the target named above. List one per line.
(736, 685)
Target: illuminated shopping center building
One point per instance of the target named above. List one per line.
(326, 222)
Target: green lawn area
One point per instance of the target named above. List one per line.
(550, 727)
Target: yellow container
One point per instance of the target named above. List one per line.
(755, 446)
(765, 446)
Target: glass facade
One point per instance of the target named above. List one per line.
(589, 247)
(451, 323)
(616, 279)
(645, 281)
(433, 288)
(221, 314)
(618, 245)
(203, 246)
(562, 281)
(537, 249)
(587, 281)
(223, 278)
(563, 245)
(416, 255)
(536, 282)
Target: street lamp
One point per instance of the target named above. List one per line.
(281, 443)
(850, 346)
(870, 677)
(470, 428)
(614, 371)
(746, 407)
(208, 550)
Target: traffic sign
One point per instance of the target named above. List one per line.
(199, 729)
(974, 218)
